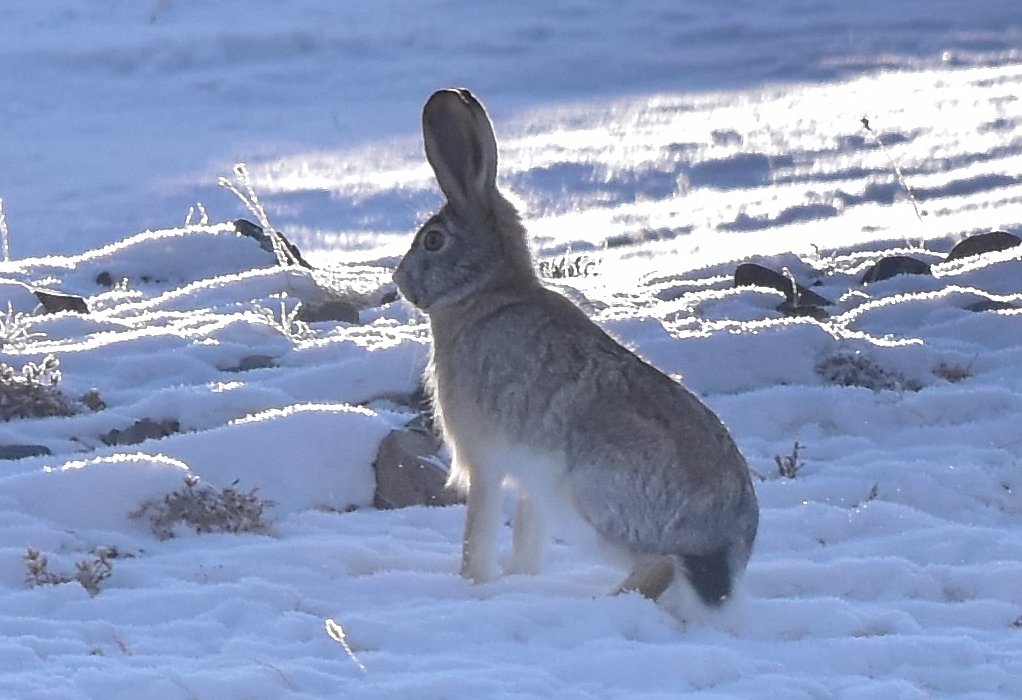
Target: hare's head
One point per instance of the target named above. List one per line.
(476, 240)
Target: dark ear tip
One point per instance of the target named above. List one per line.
(466, 95)
(450, 97)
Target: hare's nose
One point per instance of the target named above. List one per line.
(400, 278)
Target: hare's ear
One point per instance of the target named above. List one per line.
(460, 146)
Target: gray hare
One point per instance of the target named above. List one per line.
(528, 391)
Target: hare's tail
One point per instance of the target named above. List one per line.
(710, 575)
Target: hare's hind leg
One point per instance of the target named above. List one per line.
(482, 527)
(649, 578)
(528, 537)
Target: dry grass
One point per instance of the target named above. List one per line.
(789, 465)
(953, 373)
(205, 510)
(857, 369)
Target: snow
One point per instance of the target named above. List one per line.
(662, 144)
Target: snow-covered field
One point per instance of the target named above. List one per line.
(661, 144)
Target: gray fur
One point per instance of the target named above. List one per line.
(644, 462)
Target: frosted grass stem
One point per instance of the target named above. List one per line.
(897, 170)
(251, 201)
(5, 241)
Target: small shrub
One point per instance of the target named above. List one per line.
(952, 373)
(89, 573)
(565, 267)
(33, 392)
(790, 465)
(857, 369)
(38, 572)
(288, 322)
(205, 509)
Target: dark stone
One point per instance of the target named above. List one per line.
(55, 302)
(753, 275)
(93, 400)
(990, 305)
(330, 310)
(389, 298)
(247, 228)
(894, 265)
(406, 474)
(250, 362)
(105, 279)
(142, 430)
(23, 451)
(984, 243)
(255, 231)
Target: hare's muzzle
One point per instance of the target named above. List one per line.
(401, 279)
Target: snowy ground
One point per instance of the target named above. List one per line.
(664, 146)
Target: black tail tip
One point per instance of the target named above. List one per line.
(710, 576)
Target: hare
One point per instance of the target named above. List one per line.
(529, 391)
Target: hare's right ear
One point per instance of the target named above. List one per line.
(461, 147)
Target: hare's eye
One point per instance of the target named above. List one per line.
(433, 240)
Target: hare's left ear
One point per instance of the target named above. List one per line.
(460, 147)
